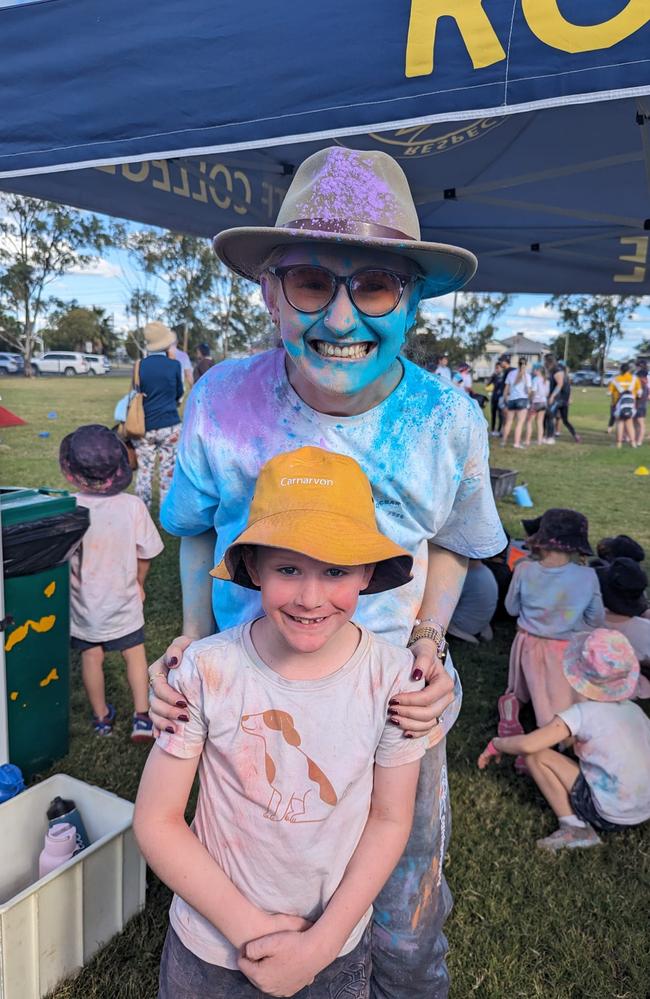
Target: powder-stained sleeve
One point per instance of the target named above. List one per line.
(513, 596)
(191, 503)
(473, 528)
(189, 740)
(594, 614)
(148, 540)
(394, 748)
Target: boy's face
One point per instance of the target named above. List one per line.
(307, 602)
(307, 335)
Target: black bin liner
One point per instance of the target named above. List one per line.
(42, 544)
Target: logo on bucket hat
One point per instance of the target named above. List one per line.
(328, 515)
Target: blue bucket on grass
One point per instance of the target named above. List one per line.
(522, 496)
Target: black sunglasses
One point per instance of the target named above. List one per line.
(374, 291)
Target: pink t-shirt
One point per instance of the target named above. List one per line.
(286, 772)
(105, 600)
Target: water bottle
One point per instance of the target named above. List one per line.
(60, 845)
(11, 781)
(61, 810)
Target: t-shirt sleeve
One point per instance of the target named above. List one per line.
(473, 527)
(191, 503)
(394, 748)
(513, 598)
(147, 539)
(189, 740)
(594, 614)
(572, 718)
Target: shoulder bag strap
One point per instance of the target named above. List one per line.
(136, 376)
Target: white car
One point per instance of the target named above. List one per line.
(97, 364)
(60, 362)
(11, 364)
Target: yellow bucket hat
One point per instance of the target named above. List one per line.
(319, 504)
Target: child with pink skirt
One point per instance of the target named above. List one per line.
(553, 597)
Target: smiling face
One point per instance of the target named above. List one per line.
(306, 602)
(339, 349)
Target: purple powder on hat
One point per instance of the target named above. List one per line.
(348, 187)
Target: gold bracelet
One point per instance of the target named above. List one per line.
(436, 635)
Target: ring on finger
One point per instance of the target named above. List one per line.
(154, 676)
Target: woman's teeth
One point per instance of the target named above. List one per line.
(355, 351)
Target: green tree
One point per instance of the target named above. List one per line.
(598, 317)
(145, 306)
(463, 335)
(239, 316)
(39, 242)
(643, 347)
(71, 327)
(580, 351)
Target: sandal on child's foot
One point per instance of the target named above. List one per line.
(104, 726)
(509, 724)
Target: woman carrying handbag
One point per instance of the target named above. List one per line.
(158, 383)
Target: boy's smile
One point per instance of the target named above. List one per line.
(307, 605)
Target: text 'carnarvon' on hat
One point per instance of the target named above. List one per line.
(96, 460)
(319, 504)
(352, 198)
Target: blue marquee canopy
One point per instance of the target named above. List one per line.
(523, 125)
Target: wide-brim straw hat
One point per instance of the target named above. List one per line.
(319, 504)
(352, 198)
(158, 336)
(95, 459)
(601, 665)
(623, 584)
(562, 530)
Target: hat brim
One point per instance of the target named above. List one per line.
(538, 539)
(616, 690)
(445, 268)
(326, 537)
(164, 344)
(111, 486)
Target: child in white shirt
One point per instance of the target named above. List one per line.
(609, 787)
(108, 571)
(307, 785)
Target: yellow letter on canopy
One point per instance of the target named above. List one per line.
(545, 21)
(478, 34)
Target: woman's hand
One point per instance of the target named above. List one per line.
(166, 709)
(419, 712)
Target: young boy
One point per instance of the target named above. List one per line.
(108, 572)
(306, 790)
(609, 787)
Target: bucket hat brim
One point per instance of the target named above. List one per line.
(326, 537)
(616, 601)
(116, 482)
(615, 688)
(445, 268)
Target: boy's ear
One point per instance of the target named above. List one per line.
(368, 571)
(248, 554)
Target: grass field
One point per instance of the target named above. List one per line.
(524, 924)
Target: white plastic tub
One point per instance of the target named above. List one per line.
(50, 927)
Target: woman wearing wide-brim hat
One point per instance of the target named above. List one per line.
(160, 379)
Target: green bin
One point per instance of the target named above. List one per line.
(37, 643)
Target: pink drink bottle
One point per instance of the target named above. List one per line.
(60, 845)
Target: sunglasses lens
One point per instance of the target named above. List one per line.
(375, 292)
(308, 289)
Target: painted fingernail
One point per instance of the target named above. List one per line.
(393, 702)
(393, 720)
(181, 704)
(170, 730)
(416, 674)
(183, 718)
(172, 661)
(408, 735)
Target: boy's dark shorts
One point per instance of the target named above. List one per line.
(183, 975)
(113, 644)
(582, 804)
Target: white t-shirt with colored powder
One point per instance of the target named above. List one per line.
(518, 389)
(105, 601)
(540, 388)
(286, 772)
(613, 746)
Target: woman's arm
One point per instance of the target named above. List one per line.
(283, 963)
(180, 860)
(419, 712)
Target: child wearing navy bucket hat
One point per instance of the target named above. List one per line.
(608, 788)
(623, 584)
(108, 572)
(552, 596)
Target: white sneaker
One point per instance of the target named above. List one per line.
(463, 635)
(570, 838)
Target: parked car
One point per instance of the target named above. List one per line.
(97, 364)
(60, 362)
(585, 376)
(11, 364)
